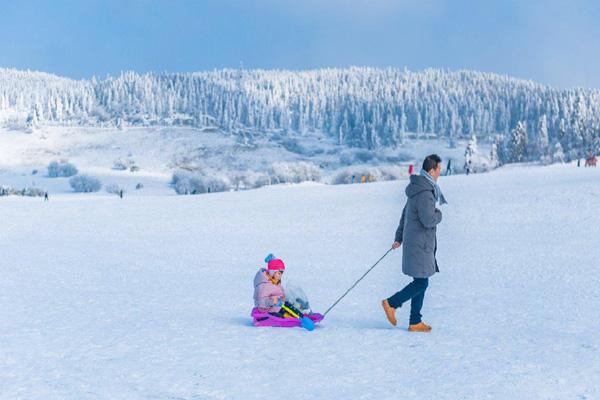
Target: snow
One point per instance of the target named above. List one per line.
(158, 152)
(149, 296)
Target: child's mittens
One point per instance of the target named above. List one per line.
(277, 302)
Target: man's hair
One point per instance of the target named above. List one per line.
(431, 162)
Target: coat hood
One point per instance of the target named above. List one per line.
(260, 277)
(417, 185)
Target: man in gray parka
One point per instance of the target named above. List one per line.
(417, 232)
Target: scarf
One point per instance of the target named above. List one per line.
(439, 196)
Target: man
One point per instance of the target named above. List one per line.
(417, 231)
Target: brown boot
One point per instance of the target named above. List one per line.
(420, 327)
(390, 312)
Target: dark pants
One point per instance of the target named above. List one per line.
(281, 312)
(415, 292)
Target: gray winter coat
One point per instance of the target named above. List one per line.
(417, 229)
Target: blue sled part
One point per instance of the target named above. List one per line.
(307, 323)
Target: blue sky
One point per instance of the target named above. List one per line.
(552, 42)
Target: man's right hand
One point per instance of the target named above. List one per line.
(396, 245)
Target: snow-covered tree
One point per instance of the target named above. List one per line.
(470, 153)
(115, 188)
(61, 169)
(501, 149)
(574, 140)
(33, 119)
(494, 159)
(474, 160)
(85, 184)
(542, 142)
(518, 143)
(295, 172)
(558, 156)
(595, 148)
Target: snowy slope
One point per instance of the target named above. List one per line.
(160, 151)
(149, 297)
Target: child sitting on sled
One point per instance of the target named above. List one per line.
(269, 295)
(272, 308)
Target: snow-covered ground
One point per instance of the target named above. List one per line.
(160, 151)
(149, 297)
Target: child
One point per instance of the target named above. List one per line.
(271, 307)
(269, 295)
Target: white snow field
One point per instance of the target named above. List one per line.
(149, 297)
(158, 152)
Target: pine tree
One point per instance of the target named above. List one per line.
(518, 143)
(33, 120)
(471, 153)
(121, 123)
(573, 143)
(501, 150)
(562, 132)
(403, 128)
(471, 126)
(595, 146)
(494, 160)
(542, 140)
(558, 155)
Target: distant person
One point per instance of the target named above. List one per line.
(121, 193)
(353, 179)
(449, 167)
(578, 162)
(46, 196)
(363, 179)
(410, 169)
(417, 233)
(370, 178)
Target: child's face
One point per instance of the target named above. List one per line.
(277, 275)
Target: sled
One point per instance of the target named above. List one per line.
(260, 318)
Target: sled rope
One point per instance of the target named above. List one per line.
(356, 283)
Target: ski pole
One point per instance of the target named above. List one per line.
(356, 283)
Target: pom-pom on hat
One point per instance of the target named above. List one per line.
(274, 264)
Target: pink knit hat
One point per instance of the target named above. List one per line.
(276, 265)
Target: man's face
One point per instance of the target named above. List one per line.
(435, 172)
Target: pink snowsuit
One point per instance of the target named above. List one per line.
(265, 291)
